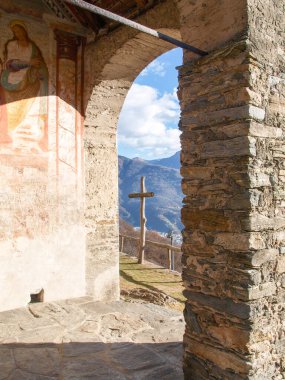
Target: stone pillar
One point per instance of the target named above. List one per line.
(233, 179)
(217, 249)
(101, 209)
(267, 183)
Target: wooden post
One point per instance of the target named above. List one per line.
(172, 253)
(142, 195)
(143, 222)
(169, 259)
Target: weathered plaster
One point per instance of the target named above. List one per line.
(41, 198)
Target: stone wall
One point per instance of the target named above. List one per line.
(64, 240)
(42, 233)
(266, 175)
(216, 247)
(232, 118)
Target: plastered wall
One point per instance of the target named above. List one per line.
(42, 232)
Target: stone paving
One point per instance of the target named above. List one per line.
(81, 339)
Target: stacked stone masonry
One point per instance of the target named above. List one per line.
(232, 166)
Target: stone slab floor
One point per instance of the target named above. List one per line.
(81, 339)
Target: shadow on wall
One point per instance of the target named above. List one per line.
(91, 360)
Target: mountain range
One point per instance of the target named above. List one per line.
(162, 177)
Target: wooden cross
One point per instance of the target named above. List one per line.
(142, 195)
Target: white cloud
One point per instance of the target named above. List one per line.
(156, 68)
(146, 120)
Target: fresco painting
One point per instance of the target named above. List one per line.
(67, 112)
(69, 89)
(23, 93)
(42, 233)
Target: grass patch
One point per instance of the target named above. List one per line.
(152, 277)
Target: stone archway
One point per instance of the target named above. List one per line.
(113, 63)
(230, 246)
(233, 170)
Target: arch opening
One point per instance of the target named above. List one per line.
(149, 145)
(112, 76)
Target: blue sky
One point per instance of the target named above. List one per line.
(148, 124)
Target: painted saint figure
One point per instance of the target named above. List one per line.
(23, 93)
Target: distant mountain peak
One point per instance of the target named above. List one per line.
(170, 162)
(163, 178)
(138, 159)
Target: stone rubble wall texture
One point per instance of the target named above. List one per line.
(266, 176)
(232, 166)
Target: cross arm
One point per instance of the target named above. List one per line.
(142, 195)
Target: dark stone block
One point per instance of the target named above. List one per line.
(197, 369)
(191, 319)
(224, 305)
